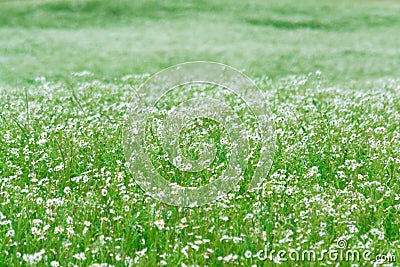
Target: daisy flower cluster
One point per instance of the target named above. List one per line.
(68, 199)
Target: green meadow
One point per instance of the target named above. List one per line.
(329, 71)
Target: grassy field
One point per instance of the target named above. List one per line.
(357, 40)
(330, 72)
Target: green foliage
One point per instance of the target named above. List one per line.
(346, 40)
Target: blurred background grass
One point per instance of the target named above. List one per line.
(354, 40)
